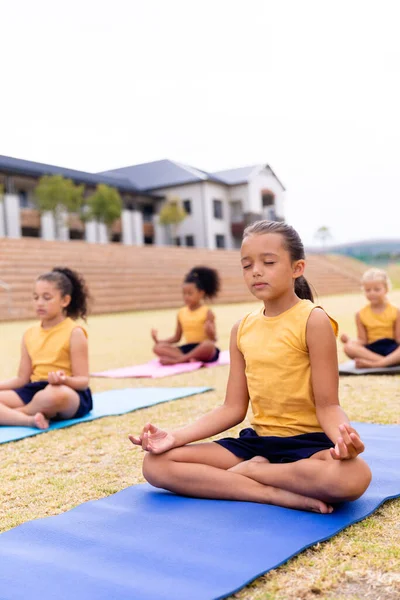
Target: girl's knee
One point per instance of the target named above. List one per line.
(154, 469)
(354, 481)
(208, 347)
(53, 396)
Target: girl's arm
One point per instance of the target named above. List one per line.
(362, 335)
(78, 349)
(24, 372)
(397, 328)
(232, 412)
(174, 339)
(321, 344)
(210, 327)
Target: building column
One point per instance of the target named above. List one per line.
(63, 226)
(12, 216)
(2, 222)
(47, 226)
(137, 228)
(160, 232)
(102, 233)
(91, 232)
(127, 227)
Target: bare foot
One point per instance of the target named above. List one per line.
(167, 360)
(364, 363)
(344, 338)
(243, 466)
(40, 421)
(287, 499)
(284, 498)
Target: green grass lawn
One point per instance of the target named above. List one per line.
(56, 471)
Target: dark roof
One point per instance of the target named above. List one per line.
(34, 169)
(161, 174)
(236, 176)
(243, 174)
(168, 173)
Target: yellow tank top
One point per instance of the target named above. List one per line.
(192, 323)
(49, 348)
(278, 371)
(378, 325)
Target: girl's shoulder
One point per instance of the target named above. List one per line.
(69, 325)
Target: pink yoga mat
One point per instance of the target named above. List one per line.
(155, 369)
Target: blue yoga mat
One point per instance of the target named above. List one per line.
(106, 404)
(149, 544)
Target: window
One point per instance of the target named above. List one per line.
(217, 207)
(177, 241)
(268, 198)
(23, 199)
(220, 241)
(189, 240)
(148, 211)
(187, 206)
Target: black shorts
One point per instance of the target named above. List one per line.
(186, 348)
(27, 392)
(276, 449)
(383, 346)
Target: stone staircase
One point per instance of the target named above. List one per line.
(123, 278)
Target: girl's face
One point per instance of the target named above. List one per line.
(375, 291)
(267, 267)
(49, 303)
(192, 296)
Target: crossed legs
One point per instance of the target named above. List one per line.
(210, 471)
(365, 358)
(54, 400)
(170, 355)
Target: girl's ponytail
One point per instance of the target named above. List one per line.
(205, 279)
(302, 289)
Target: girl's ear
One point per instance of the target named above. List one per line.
(65, 300)
(298, 268)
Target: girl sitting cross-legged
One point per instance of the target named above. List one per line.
(301, 451)
(378, 325)
(195, 322)
(53, 375)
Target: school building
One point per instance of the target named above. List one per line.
(218, 205)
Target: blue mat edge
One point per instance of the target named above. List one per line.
(71, 422)
(323, 539)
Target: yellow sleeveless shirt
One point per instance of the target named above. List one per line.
(278, 371)
(192, 323)
(49, 348)
(378, 325)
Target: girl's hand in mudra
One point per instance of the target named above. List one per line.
(348, 445)
(154, 440)
(56, 377)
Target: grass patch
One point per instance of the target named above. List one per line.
(53, 472)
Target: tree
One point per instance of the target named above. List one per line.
(104, 206)
(323, 234)
(56, 194)
(171, 215)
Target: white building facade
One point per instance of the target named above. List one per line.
(218, 205)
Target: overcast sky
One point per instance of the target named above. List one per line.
(310, 87)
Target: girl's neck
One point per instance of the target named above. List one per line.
(195, 307)
(277, 306)
(49, 323)
(379, 307)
